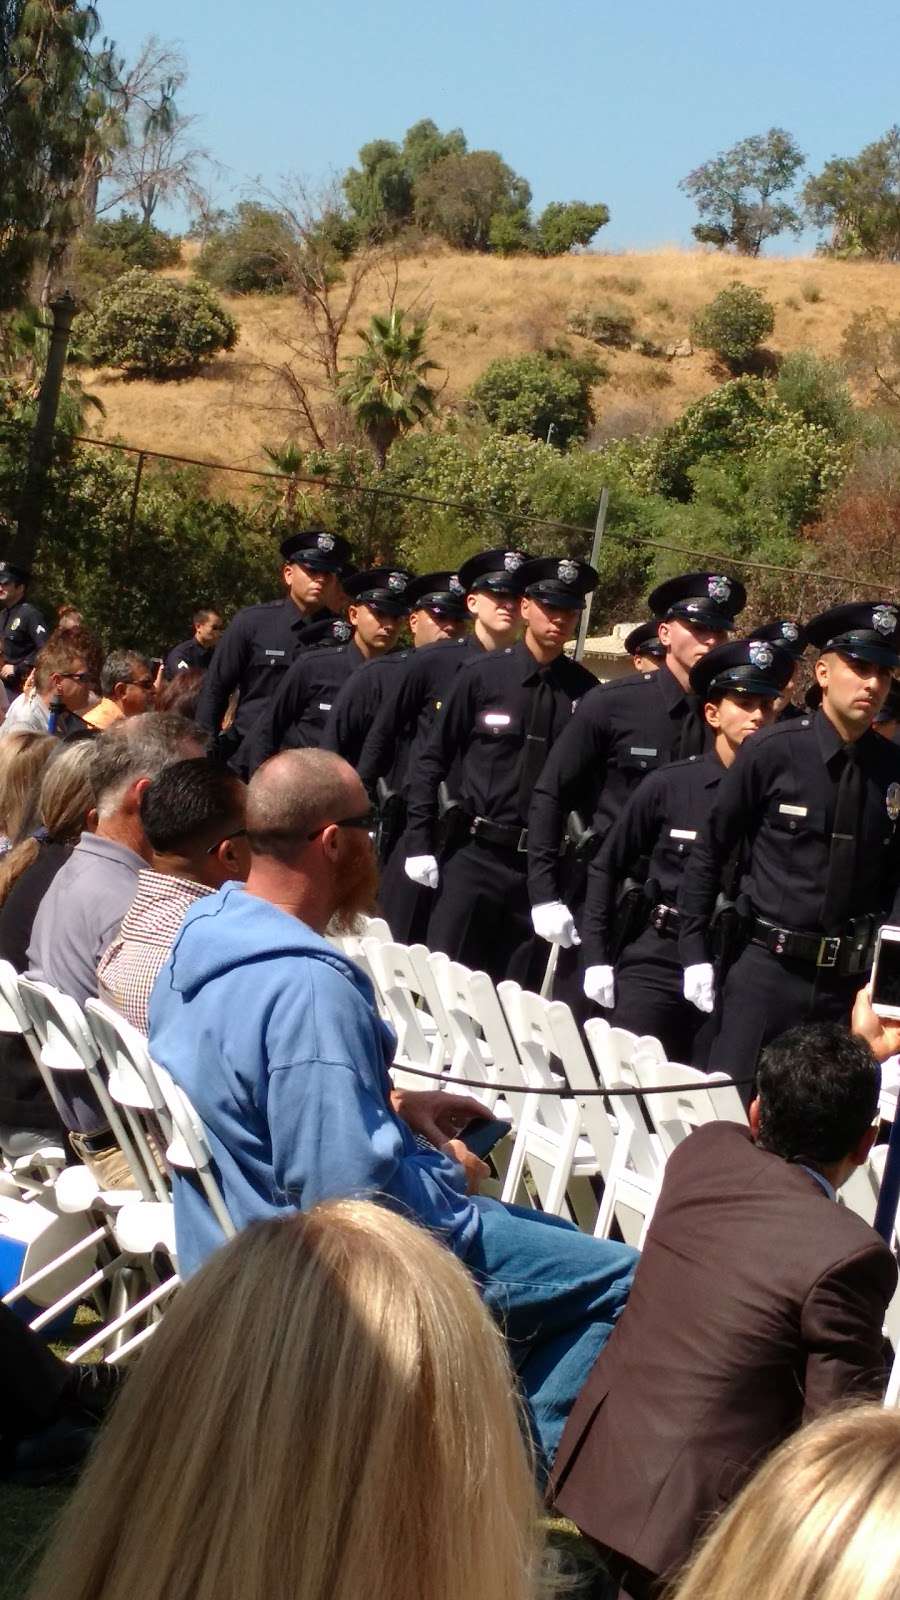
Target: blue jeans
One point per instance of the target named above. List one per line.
(556, 1293)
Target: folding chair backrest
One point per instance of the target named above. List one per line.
(481, 1044)
(580, 1075)
(613, 1051)
(414, 1005)
(676, 1114)
(191, 1151)
(14, 1019)
(536, 1043)
(123, 1053)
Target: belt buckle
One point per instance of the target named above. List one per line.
(522, 846)
(829, 951)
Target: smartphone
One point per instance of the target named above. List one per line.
(884, 986)
(482, 1133)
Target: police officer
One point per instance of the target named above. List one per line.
(503, 714)
(23, 630)
(817, 800)
(195, 654)
(790, 635)
(261, 641)
(645, 647)
(738, 685)
(620, 732)
(296, 715)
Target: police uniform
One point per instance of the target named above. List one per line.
(23, 631)
(644, 640)
(660, 824)
(784, 795)
(356, 705)
(261, 641)
(790, 635)
(503, 712)
(295, 717)
(190, 656)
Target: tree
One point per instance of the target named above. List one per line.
(250, 248)
(563, 224)
(734, 324)
(735, 193)
(547, 395)
(379, 191)
(155, 326)
(858, 198)
(458, 196)
(386, 386)
(871, 351)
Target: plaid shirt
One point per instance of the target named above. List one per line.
(131, 965)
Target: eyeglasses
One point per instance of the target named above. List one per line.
(239, 833)
(142, 683)
(367, 821)
(77, 677)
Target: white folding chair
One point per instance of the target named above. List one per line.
(188, 1149)
(701, 1097)
(414, 1008)
(36, 1160)
(481, 1046)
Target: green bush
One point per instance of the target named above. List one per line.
(734, 324)
(563, 224)
(249, 250)
(817, 390)
(533, 394)
(511, 233)
(155, 326)
(607, 323)
(141, 244)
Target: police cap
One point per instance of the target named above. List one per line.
(496, 571)
(11, 574)
(316, 549)
(562, 582)
(440, 592)
(710, 599)
(788, 635)
(383, 588)
(743, 666)
(644, 640)
(867, 630)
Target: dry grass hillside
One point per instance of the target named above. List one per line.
(483, 307)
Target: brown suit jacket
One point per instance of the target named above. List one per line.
(757, 1303)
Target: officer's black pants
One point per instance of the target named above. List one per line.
(482, 914)
(650, 998)
(404, 905)
(763, 995)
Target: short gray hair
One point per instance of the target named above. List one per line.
(138, 747)
(291, 795)
(119, 667)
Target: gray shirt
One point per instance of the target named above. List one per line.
(76, 920)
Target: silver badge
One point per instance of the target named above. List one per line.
(567, 572)
(397, 582)
(455, 586)
(341, 631)
(718, 588)
(892, 801)
(13, 625)
(790, 631)
(325, 542)
(884, 618)
(512, 560)
(760, 653)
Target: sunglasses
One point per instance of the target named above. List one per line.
(142, 683)
(367, 821)
(239, 833)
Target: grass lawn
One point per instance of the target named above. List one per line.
(26, 1516)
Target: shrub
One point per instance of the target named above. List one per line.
(811, 293)
(249, 250)
(156, 326)
(563, 224)
(139, 243)
(817, 390)
(511, 233)
(533, 394)
(624, 284)
(607, 323)
(734, 324)
(792, 303)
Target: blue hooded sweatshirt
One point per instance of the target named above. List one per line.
(276, 1039)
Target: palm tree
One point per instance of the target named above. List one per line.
(385, 387)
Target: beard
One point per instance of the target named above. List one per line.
(358, 884)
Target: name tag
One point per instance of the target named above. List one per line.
(275, 652)
(323, 706)
(793, 811)
(637, 750)
(682, 833)
(496, 719)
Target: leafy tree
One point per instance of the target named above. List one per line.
(250, 248)
(386, 386)
(139, 243)
(379, 190)
(871, 351)
(858, 198)
(458, 197)
(547, 395)
(511, 233)
(424, 144)
(817, 389)
(734, 324)
(563, 224)
(155, 326)
(736, 193)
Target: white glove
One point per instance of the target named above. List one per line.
(554, 922)
(600, 986)
(700, 986)
(423, 870)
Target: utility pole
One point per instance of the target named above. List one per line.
(40, 446)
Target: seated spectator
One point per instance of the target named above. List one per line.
(49, 1410)
(68, 616)
(757, 1304)
(61, 685)
(276, 1038)
(193, 819)
(84, 905)
(195, 654)
(182, 694)
(820, 1521)
(26, 872)
(127, 687)
(325, 1413)
(23, 757)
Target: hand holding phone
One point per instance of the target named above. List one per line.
(884, 985)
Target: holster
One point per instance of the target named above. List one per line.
(632, 908)
(391, 817)
(581, 840)
(453, 823)
(729, 930)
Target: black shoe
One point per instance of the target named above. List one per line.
(52, 1455)
(93, 1389)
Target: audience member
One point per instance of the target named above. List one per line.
(276, 1038)
(758, 1302)
(23, 757)
(127, 687)
(26, 872)
(193, 819)
(326, 1413)
(819, 1521)
(68, 617)
(61, 685)
(182, 693)
(49, 1409)
(84, 905)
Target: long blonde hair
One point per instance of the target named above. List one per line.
(23, 757)
(65, 799)
(819, 1521)
(326, 1413)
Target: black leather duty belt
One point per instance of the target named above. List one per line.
(845, 954)
(665, 920)
(508, 838)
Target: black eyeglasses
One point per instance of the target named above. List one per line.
(367, 821)
(142, 683)
(239, 833)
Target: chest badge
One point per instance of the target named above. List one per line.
(892, 801)
(14, 625)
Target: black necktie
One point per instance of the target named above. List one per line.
(844, 835)
(537, 739)
(693, 731)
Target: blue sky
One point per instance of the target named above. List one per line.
(587, 99)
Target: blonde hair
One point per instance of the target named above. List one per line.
(326, 1413)
(23, 757)
(819, 1521)
(65, 800)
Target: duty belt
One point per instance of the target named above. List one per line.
(665, 920)
(497, 833)
(846, 953)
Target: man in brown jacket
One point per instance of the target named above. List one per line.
(757, 1303)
